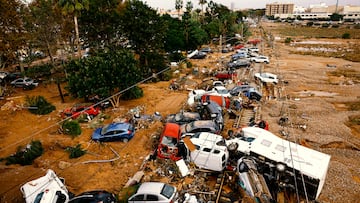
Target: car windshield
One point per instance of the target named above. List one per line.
(168, 191)
(169, 141)
(222, 91)
(104, 129)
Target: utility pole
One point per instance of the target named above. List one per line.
(336, 8)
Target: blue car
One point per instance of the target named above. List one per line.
(114, 132)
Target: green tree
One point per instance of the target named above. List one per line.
(146, 35)
(100, 24)
(74, 7)
(42, 20)
(174, 39)
(103, 74)
(178, 6)
(11, 32)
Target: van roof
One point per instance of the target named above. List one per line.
(171, 130)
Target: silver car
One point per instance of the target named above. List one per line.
(154, 192)
(23, 82)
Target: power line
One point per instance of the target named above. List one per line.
(61, 121)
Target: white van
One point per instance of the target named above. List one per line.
(46, 189)
(206, 150)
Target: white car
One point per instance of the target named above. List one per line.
(254, 49)
(154, 192)
(266, 77)
(195, 96)
(260, 59)
(47, 189)
(220, 91)
(22, 82)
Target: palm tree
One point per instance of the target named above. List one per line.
(74, 7)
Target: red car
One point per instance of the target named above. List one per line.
(78, 109)
(170, 137)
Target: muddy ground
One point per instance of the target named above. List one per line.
(316, 102)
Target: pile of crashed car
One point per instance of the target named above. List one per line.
(243, 163)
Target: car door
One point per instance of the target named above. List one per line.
(108, 136)
(119, 134)
(140, 198)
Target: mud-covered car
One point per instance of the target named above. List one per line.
(200, 126)
(82, 108)
(182, 117)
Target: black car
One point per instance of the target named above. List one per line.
(94, 197)
(182, 117)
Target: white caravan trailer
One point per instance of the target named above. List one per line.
(290, 160)
(206, 150)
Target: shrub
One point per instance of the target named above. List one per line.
(288, 40)
(72, 128)
(133, 93)
(38, 105)
(26, 156)
(309, 24)
(346, 36)
(75, 152)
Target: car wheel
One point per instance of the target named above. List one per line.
(125, 140)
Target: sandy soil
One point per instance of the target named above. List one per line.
(310, 97)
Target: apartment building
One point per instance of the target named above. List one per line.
(279, 8)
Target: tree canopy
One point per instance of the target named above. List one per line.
(104, 74)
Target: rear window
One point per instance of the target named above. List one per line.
(168, 191)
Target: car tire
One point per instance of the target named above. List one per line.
(125, 140)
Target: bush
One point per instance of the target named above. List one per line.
(75, 152)
(26, 156)
(38, 105)
(133, 93)
(288, 40)
(72, 128)
(346, 36)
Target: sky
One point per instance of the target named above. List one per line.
(242, 4)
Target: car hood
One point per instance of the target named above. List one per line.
(96, 134)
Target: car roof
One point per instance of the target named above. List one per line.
(204, 123)
(150, 187)
(118, 126)
(171, 129)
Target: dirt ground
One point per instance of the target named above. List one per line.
(309, 97)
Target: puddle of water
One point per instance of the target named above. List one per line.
(317, 93)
